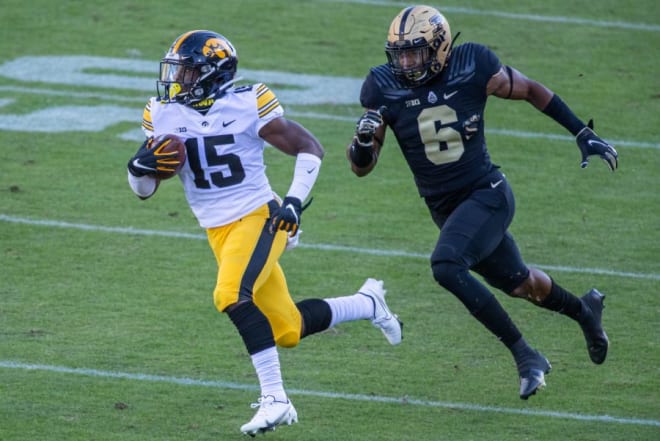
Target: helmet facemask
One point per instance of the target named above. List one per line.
(187, 83)
(411, 64)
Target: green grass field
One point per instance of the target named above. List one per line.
(107, 325)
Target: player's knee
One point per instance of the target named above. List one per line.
(286, 328)
(288, 339)
(445, 272)
(223, 299)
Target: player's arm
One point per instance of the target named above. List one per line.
(363, 151)
(509, 83)
(142, 182)
(293, 139)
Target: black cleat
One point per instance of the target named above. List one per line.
(532, 372)
(591, 324)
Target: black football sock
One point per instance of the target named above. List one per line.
(521, 351)
(316, 315)
(253, 326)
(563, 302)
(493, 316)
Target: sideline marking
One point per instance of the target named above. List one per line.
(183, 381)
(138, 135)
(311, 246)
(517, 16)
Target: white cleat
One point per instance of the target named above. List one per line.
(383, 318)
(271, 414)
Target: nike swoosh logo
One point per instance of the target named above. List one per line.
(225, 124)
(495, 184)
(446, 96)
(310, 171)
(137, 164)
(593, 141)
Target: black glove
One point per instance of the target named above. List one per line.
(471, 126)
(366, 127)
(592, 144)
(287, 217)
(362, 147)
(152, 161)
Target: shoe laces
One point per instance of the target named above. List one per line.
(263, 402)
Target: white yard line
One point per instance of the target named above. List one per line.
(407, 401)
(312, 246)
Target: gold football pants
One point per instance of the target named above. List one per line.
(248, 269)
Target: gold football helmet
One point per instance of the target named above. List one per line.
(418, 44)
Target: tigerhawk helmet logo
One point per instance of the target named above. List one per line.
(217, 47)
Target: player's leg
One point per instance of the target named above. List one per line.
(246, 252)
(318, 315)
(367, 304)
(502, 270)
(470, 234)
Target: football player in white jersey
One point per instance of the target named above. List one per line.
(225, 129)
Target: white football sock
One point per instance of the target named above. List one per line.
(349, 308)
(267, 365)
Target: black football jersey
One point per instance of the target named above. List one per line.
(439, 126)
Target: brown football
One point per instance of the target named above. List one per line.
(169, 165)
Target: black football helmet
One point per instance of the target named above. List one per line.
(199, 65)
(418, 44)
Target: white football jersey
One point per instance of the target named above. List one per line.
(224, 177)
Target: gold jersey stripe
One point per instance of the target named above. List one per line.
(147, 126)
(147, 123)
(274, 105)
(266, 100)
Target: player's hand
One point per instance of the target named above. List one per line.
(471, 126)
(151, 160)
(592, 144)
(367, 125)
(287, 217)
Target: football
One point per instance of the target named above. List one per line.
(164, 146)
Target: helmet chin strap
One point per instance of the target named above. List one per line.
(228, 84)
(451, 46)
(197, 93)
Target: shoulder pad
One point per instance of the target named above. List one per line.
(472, 60)
(384, 77)
(240, 89)
(390, 87)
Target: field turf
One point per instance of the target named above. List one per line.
(107, 326)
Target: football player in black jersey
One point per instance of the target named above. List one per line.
(432, 96)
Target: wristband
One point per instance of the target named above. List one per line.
(361, 155)
(560, 112)
(304, 175)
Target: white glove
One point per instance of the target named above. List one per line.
(292, 241)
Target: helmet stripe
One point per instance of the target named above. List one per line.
(404, 18)
(177, 44)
